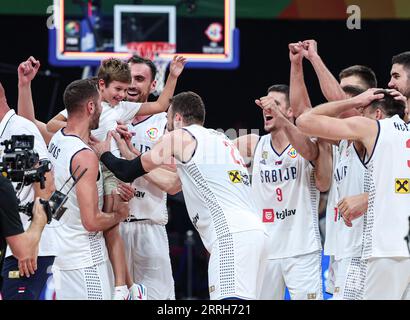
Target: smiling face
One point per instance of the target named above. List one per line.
(96, 112)
(400, 79)
(114, 93)
(282, 104)
(142, 83)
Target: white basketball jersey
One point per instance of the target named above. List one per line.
(332, 211)
(387, 179)
(149, 201)
(78, 247)
(287, 200)
(216, 187)
(349, 177)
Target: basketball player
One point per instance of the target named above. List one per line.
(144, 230)
(283, 168)
(14, 285)
(400, 77)
(217, 192)
(113, 79)
(353, 81)
(82, 270)
(383, 272)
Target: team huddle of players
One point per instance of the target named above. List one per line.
(261, 230)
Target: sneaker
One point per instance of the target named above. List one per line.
(138, 292)
(121, 293)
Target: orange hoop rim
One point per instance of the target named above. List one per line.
(150, 49)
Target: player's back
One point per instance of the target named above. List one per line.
(78, 247)
(216, 187)
(387, 180)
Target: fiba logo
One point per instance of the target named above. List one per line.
(214, 32)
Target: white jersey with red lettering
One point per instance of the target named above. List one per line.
(387, 179)
(287, 200)
(79, 248)
(216, 187)
(349, 177)
(149, 201)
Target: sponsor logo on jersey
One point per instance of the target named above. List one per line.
(402, 185)
(235, 176)
(278, 163)
(139, 194)
(292, 153)
(152, 133)
(268, 216)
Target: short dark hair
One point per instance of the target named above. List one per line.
(190, 106)
(137, 59)
(365, 74)
(282, 88)
(353, 91)
(403, 59)
(113, 69)
(389, 106)
(78, 92)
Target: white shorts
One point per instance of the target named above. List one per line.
(378, 279)
(236, 265)
(331, 275)
(147, 250)
(92, 283)
(302, 275)
(342, 289)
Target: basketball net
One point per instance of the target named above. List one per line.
(151, 50)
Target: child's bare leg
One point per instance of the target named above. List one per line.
(116, 251)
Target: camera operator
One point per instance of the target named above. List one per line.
(23, 244)
(14, 285)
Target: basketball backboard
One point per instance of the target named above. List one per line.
(88, 31)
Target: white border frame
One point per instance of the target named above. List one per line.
(119, 9)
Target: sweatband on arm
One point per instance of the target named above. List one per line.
(125, 170)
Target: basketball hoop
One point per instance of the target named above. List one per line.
(151, 50)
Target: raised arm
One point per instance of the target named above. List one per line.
(27, 70)
(318, 123)
(178, 144)
(58, 122)
(331, 88)
(93, 219)
(161, 105)
(298, 94)
(323, 166)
